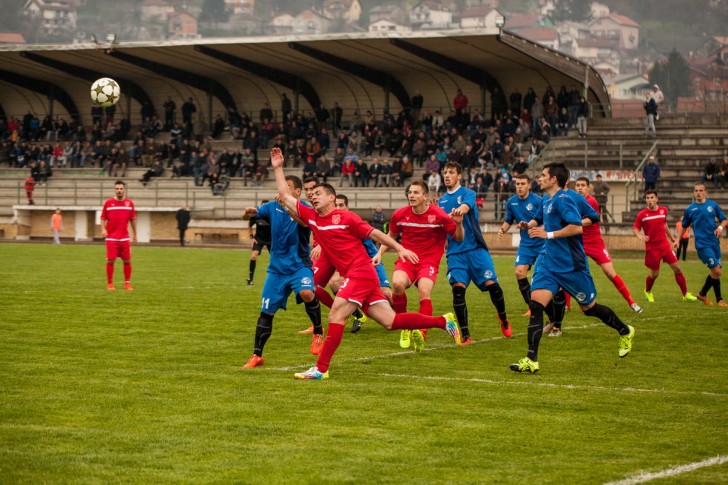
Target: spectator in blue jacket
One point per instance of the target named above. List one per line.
(651, 173)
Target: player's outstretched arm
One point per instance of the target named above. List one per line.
(403, 253)
(249, 212)
(285, 198)
(568, 231)
(377, 259)
(458, 220)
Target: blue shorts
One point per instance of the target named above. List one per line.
(278, 287)
(710, 255)
(578, 284)
(382, 274)
(526, 256)
(475, 265)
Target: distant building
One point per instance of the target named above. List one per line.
(309, 22)
(182, 26)
(155, 10)
(617, 27)
(527, 21)
(348, 11)
(393, 13)
(478, 18)
(430, 15)
(596, 50)
(239, 6)
(628, 86)
(55, 15)
(546, 36)
(10, 38)
(281, 24)
(709, 74)
(384, 25)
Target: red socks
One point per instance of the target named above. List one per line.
(399, 303)
(109, 272)
(622, 289)
(331, 343)
(416, 321)
(649, 282)
(324, 297)
(425, 309)
(680, 278)
(127, 272)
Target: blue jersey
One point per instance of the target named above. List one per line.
(289, 249)
(566, 253)
(585, 210)
(370, 247)
(702, 217)
(471, 227)
(524, 210)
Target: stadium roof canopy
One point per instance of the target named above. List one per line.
(360, 72)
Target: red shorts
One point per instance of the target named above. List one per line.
(323, 270)
(414, 272)
(653, 256)
(362, 291)
(598, 252)
(118, 249)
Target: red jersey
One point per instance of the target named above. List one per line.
(339, 233)
(424, 234)
(653, 223)
(592, 234)
(117, 214)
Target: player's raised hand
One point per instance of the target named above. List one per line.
(250, 212)
(276, 157)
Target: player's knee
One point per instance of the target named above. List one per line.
(126, 261)
(307, 295)
(112, 261)
(398, 287)
(265, 320)
(535, 308)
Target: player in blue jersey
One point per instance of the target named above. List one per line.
(289, 271)
(468, 260)
(523, 207)
(563, 265)
(701, 215)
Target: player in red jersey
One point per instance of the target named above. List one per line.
(424, 228)
(116, 215)
(595, 248)
(652, 221)
(339, 233)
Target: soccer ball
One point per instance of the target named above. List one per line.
(105, 92)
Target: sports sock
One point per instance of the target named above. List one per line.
(109, 272)
(127, 271)
(498, 300)
(680, 278)
(716, 289)
(559, 301)
(707, 286)
(567, 299)
(251, 269)
(399, 302)
(461, 310)
(331, 343)
(607, 315)
(425, 309)
(313, 310)
(262, 331)
(525, 288)
(650, 281)
(535, 329)
(621, 287)
(324, 297)
(416, 321)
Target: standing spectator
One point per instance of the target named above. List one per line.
(29, 188)
(460, 103)
(338, 114)
(170, 108)
(537, 114)
(710, 173)
(57, 226)
(684, 241)
(650, 106)
(659, 97)
(601, 194)
(582, 113)
(116, 215)
(651, 173)
(183, 220)
(379, 219)
(417, 103)
(188, 109)
(286, 107)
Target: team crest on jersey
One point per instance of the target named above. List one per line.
(529, 207)
(488, 275)
(431, 219)
(548, 211)
(460, 199)
(580, 297)
(336, 219)
(710, 209)
(305, 280)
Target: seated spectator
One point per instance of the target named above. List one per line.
(261, 175)
(219, 187)
(218, 128)
(711, 173)
(361, 174)
(520, 166)
(248, 171)
(562, 123)
(323, 168)
(386, 172)
(309, 168)
(347, 173)
(156, 170)
(406, 171)
(434, 181)
(375, 169)
(44, 171)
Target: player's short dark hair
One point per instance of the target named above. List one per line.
(315, 180)
(558, 170)
(419, 183)
(328, 188)
(264, 201)
(701, 183)
(518, 176)
(297, 184)
(458, 168)
(120, 182)
(583, 179)
(648, 192)
(344, 198)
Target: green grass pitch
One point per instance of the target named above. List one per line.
(148, 386)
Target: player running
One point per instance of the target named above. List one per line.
(116, 215)
(523, 207)
(424, 229)
(652, 221)
(563, 265)
(595, 248)
(469, 260)
(289, 271)
(339, 234)
(702, 214)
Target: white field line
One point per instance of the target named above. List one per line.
(671, 472)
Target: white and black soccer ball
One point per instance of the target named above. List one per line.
(105, 92)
